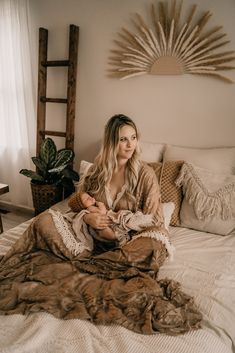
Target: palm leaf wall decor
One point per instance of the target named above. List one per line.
(171, 46)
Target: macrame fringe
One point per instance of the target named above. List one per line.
(72, 244)
(206, 205)
(160, 237)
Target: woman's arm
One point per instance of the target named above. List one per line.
(150, 195)
(107, 234)
(97, 220)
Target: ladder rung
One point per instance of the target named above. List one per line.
(69, 64)
(53, 133)
(55, 63)
(53, 100)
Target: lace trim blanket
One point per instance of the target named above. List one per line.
(77, 236)
(73, 231)
(39, 273)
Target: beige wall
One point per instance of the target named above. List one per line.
(184, 110)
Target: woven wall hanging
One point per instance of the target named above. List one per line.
(171, 46)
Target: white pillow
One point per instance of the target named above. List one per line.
(84, 166)
(168, 209)
(151, 152)
(83, 169)
(209, 200)
(218, 160)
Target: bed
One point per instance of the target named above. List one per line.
(204, 264)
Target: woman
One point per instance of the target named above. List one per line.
(122, 182)
(105, 285)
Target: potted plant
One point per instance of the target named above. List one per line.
(54, 177)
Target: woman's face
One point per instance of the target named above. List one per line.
(127, 142)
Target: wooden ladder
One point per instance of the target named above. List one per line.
(43, 64)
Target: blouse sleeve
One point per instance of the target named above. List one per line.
(150, 196)
(125, 220)
(149, 209)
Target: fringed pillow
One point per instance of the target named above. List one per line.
(209, 200)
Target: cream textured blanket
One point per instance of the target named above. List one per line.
(205, 265)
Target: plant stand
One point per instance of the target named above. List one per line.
(44, 196)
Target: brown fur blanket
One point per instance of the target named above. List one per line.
(114, 287)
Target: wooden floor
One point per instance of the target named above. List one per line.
(11, 219)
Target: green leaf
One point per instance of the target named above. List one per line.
(70, 174)
(57, 169)
(31, 174)
(40, 164)
(48, 151)
(53, 167)
(64, 157)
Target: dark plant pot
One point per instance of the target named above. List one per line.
(44, 196)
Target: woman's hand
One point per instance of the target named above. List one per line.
(97, 220)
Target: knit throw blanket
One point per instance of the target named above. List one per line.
(119, 286)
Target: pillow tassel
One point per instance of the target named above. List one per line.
(206, 204)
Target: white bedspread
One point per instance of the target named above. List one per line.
(205, 266)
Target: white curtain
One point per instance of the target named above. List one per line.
(17, 100)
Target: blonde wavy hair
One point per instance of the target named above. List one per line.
(100, 174)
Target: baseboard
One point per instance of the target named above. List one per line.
(12, 208)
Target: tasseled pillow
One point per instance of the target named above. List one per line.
(209, 200)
